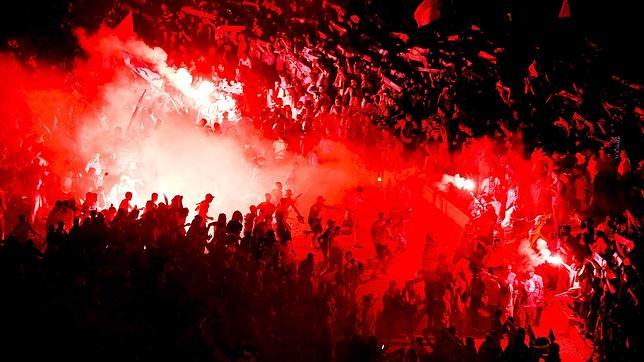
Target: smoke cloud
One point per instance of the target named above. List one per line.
(101, 114)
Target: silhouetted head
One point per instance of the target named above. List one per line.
(469, 342)
(520, 337)
(237, 216)
(197, 220)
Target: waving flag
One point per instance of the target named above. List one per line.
(391, 84)
(565, 10)
(532, 69)
(125, 29)
(272, 7)
(427, 11)
(202, 14)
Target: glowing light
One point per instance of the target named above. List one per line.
(554, 259)
(546, 254)
(458, 181)
(204, 90)
(211, 98)
(182, 80)
(463, 183)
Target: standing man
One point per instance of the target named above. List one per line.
(203, 207)
(530, 300)
(315, 218)
(266, 208)
(354, 207)
(151, 204)
(277, 192)
(511, 284)
(367, 316)
(288, 202)
(380, 235)
(477, 292)
(538, 295)
(126, 203)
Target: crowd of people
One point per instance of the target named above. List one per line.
(125, 279)
(553, 151)
(232, 295)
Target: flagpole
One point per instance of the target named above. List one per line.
(136, 110)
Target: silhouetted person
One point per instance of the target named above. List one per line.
(126, 203)
(204, 206)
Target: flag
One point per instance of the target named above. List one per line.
(532, 69)
(338, 9)
(141, 67)
(632, 221)
(251, 4)
(125, 29)
(340, 30)
(487, 56)
(564, 125)
(401, 36)
(568, 95)
(581, 121)
(414, 55)
(228, 30)
(391, 84)
(565, 10)
(199, 13)
(272, 7)
(427, 11)
(428, 70)
(627, 243)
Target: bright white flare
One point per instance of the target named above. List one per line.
(210, 99)
(459, 182)
(546, 255)
(554, 259)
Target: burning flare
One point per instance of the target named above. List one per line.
(459, 182)
(546, 255)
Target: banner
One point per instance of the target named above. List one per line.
(427, 11)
